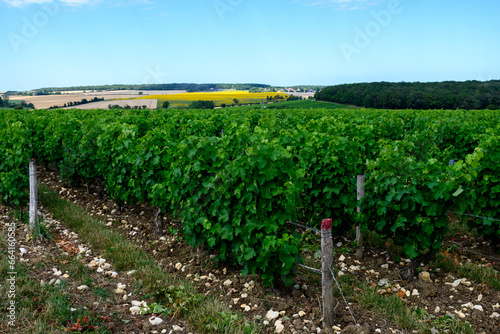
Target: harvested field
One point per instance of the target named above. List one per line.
(47, 101)
(149, 103)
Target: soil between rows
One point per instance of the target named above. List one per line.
(437, 296)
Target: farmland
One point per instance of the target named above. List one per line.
(219, 98)
(231, 181)
(47, 101)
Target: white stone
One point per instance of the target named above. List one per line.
(119, 291)
(228, 283)
(178, 266)
(456, 283)
(478, 307)
(479, 298)
(135, 310)
(100, 270)
(494, 315)
(342, 258)
(23, 251)
(336, 328)
(155, 321)
(265, 322)
(177, 328)
(302, 314)
(385, 266)
(82, 287)
(272, 315)
(121, 286)
(460, 314)
(131, 272)
(437, 310)
(415, 292)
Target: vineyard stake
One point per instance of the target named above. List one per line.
(327, 272)
(359, 235)
(33, 195)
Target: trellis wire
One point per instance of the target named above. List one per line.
(343, 297)
(306, 227)
(471, 251)
(338, 287)
(481, 217)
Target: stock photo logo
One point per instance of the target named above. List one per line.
(223, 6)
(31, 26)
(363, 36)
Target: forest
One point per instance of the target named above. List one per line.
(468, 95)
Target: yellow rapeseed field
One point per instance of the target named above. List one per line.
(226, 97)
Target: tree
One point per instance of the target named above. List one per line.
(1, 102)
(165, 105)
(140, 93)
(235, 100)
(202, 105)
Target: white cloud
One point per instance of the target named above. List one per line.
(344, 4)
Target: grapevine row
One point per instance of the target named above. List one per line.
(235, 178)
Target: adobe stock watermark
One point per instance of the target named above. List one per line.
(31, 26)
(223, 6)
(364, 36)
(154, 76)
(11, 274)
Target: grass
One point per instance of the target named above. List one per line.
(204, 313)
(468, 270)
(298, 104)
(39, 309)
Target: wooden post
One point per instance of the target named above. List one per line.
(33, 195)
(359, 235)
(327, 272)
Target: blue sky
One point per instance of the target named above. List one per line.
(45, 43)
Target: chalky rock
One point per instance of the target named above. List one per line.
(272, 315)
(155, 321)
(425, 276)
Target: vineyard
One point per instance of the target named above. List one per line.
(237, 178)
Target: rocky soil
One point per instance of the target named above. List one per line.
(287, 310)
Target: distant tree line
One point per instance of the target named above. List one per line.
(77, 103)
(190, 87)
(117, 106)
(5, 103)
(405, 95)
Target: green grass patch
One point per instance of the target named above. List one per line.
(298, 104)
(470, 271)
(39, 309)
(206, 314)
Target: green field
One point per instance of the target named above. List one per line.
(302, 104)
